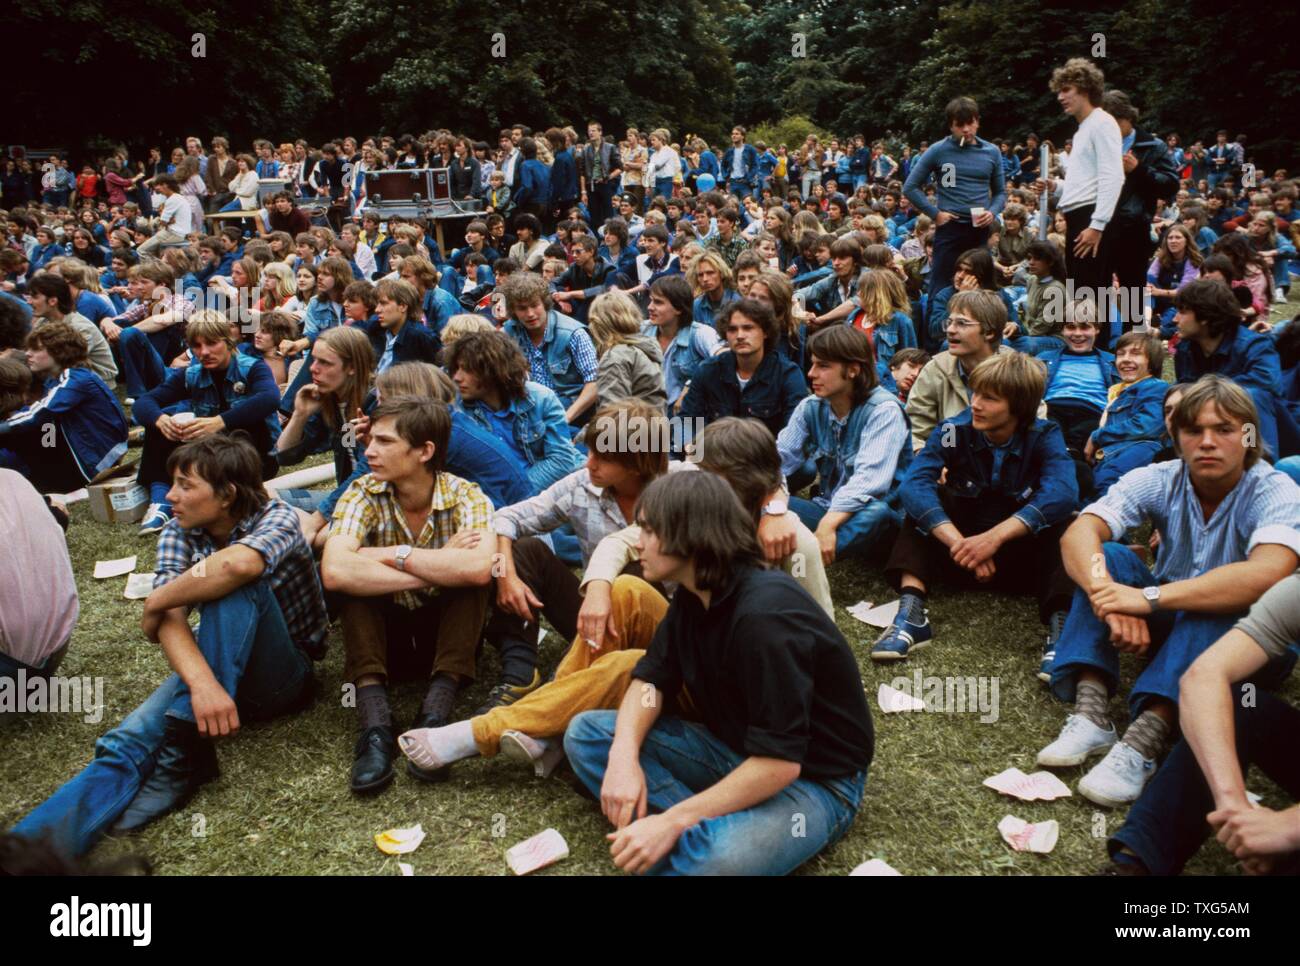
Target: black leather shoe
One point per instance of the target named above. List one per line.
(185, 761)
(428, 720)
(372, 769)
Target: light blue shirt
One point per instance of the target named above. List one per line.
(1078, 379)
(386, 359)
(1264, 507)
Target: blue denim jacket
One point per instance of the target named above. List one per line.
(897, 333)
(540, 431)
(691, 346)
(748, 164)
(1135, 415)
(246, 393)
(702, 310)
(1038, 484)
(1249, 359)
(321, 314)
(555, 344)
(770, 397)
(475, 454)
(833, 446)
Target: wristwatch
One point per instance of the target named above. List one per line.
(1152, 594)
(403, 552)
(776, 508)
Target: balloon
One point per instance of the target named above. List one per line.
(705, 182)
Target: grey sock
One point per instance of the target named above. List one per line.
(1090, 700)
(441, 694)
(1148, 735)
(372, 705)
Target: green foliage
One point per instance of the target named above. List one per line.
(790, 131)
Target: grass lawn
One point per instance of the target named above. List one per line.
(282, 803)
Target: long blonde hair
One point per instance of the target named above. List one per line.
(286, 285)
(353, 348)
(881, 294)
(614, 320)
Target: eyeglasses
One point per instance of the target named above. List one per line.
(957, 322)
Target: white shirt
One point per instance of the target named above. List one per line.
(664, 163)
(177, 215)
(1095, 174)
(508, 166)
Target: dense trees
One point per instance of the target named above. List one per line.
(89, 69)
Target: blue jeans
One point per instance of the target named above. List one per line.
(1166, 825)
(301, 379)
(1177, 639)
(232, 206)
(1107, 473)
(664, 187)
(143, 365)
(245, 641)
(870, 529)
(740, 189)
(681, 758)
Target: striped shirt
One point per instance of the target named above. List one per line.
(1264, 507)
(872, 474)
(369, 511)
(272, 531)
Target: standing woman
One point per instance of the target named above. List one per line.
(342, 367)
(221, 168)
(114, 181)
(564, 177)
(193, 190)
(464, 171)
(664, 164)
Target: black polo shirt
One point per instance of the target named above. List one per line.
(768, 672)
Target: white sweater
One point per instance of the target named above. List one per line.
(1095, 175)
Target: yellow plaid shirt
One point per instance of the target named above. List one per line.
(370, 512)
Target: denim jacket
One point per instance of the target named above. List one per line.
(897, 333)
(770, 396)
(1247, 358)
(1135, 415)
(748, 164)
(540, 431)
(555, 344)
(245, 392)
(1037, 484)
(691, 346)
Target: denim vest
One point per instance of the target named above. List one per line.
(565, 374)
(833, 445)
(205, 398)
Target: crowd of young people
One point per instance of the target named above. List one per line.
(657, 394)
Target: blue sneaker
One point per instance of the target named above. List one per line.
(1056, 625)
(902, 638)
(155, 519)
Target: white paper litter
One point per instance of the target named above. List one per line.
(114, 568)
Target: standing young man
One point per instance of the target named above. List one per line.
(768, 717)
(1094, 178)
(740, 166)
(968, 171)
(410, 550)
(239, 558)
(599, 170)
(1228, 527)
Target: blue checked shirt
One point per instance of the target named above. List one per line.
(1264, 507)
(580, 347)
(274, 533)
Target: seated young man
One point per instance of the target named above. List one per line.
(1228, 526)
(941, 390)
(491, 375)
(240, 560)
(904, 366)
(1079, 377)
(837, 288)
(766, 713)
(1201, 789)
(396, 334)
(557, 349)
(149, 332)
(987, 501)
(75, 430)
(38, 594)
(1213, 339)
(221, 391)
(852, 435)
(587, 277)
(410, 553)
(1132, 427)
(51, 300)
(619, 612)
(753, 379)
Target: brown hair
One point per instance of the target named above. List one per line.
(986, 308)
(1230, 399)
(757, 312)
(1015, 377)
(210, 326)
(848, 346)
(491, 356)
(402, 292)
(280, 326)
(226, 463)
(633, 434)
(353, 348)
(15, 384)
(697, 515)
(418, 421)
(1150, 344)
(66, 346)
(743, 452)
(1083, 75)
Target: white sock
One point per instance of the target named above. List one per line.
(431, 748)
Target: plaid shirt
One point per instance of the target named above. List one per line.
(139, 310)
(729, 251)
(272, 531)
(581, 348)
(370, 512)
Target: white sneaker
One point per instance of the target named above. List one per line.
(1079, 740)
(1118, 779)
(154, 520)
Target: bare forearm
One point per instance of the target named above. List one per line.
(1229, 589)
(641, 707)
(753, 782)
(585, 400)
(453, 568)
(1205, 706)
(351, 573)
(1081, 552)
(183, 652)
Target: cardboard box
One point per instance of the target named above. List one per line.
(120, 500)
